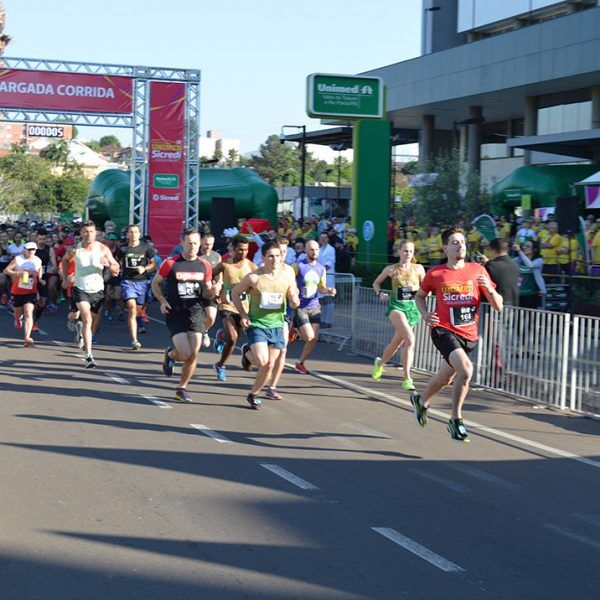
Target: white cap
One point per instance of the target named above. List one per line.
(31, 246)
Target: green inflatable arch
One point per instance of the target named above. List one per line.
(108, 197)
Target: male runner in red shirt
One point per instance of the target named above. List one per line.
(458, 288)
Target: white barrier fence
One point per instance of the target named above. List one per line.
(542, 356)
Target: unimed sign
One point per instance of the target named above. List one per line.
(53, 90)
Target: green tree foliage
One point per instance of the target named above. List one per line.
(109, 140)
(57, 153)
(280, 164)
(27, 183)
(448, 191)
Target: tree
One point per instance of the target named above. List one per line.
(109, 140)
(232, 158)
(277, 163)
(447, 192)
(57, 153)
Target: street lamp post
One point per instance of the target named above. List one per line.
(302, 164)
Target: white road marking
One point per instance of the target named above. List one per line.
(42, 332)
(118, 379)
(58, 342)
(157, 320)
(285, 474)
(431, 557)
(471, 424)
(211, 434)
(156, 401)
(584, 539)
(366, 430)
(451, 485)
(588, 518)
(343, 441)
(483, 476)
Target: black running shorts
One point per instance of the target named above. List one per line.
(447, 341)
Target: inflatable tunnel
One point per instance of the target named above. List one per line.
(108, 197)
(544, 183)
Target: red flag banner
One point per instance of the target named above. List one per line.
(52, 90)
(166, 164)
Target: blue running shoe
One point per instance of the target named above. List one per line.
(221, 372)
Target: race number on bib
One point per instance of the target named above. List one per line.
(187, 289)
(462, 315)
(271, 300)
(403, 294)
(309, 290)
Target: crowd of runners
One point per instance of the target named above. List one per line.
(272, 300)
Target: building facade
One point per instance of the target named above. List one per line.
(513, 83)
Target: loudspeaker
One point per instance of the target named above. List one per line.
(222, 216)
(566, 214)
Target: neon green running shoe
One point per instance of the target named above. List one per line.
(458, 431)
(408, 385)
(377, 369)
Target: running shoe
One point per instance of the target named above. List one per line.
(458, 431)
(420, 409)
(253, 401)
(61, 298)
(168, 363)
(220, 371)
(94, 338)
(71, 326)
(246, 364)
(219, 341)
(89, 362)
(182, 395)
(273, 394)
(300, 368)
(19, 323)
(52, 308)
(408, 385)
(205, 340)
(135, 345)
(141, 329)
(35, 328)
(27, 342)
(293, 335)
(377, 369)
(79, 334)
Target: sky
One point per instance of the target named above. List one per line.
(254, 56)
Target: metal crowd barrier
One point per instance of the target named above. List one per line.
(339, 311)
(541, 356)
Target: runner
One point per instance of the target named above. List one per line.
(210, 305)
(188, 279)
(49, 270)
(268, 288)
(310, 279)
(233, 271)
(113, 302)
(26, 273)
(88, 290)
(458, 287)
(5, 258)
(406, 276)
(137, 263)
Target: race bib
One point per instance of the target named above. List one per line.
(271, 300)
(462, 315)
(403, 294)
(26, 281)
(133, 261)
(309, 290)
(188, 289)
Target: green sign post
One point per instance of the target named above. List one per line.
(351, 97)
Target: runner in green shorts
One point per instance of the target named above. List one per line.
(406, 276)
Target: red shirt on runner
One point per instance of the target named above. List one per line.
(457, 297)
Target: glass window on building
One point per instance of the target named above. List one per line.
(565, 117)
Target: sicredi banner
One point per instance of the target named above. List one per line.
(78, 92)
(166, 164)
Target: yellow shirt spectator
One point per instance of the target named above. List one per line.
(596, 249)
(474, 239)
(434, 245)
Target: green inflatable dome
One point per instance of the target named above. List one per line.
(544, 183)
(108, 197)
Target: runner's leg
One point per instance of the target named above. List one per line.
(194, 340)
(132, 312)
(438, 382)
(230, 335)
(311, 342)
(85, 313)
(27, 320)
(266, 361)
(397, 340)
(280, 359)
(463, 367)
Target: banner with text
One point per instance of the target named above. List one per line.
(166, 164)
(52, 90)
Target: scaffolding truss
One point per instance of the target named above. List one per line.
(138, 122)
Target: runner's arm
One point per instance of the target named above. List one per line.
(244, 286)
(114, 266)
(53, 261)
(157, 290)
(10, 268)
(383, 296)
(322, 287)
(64, 266)
(494, 298)
(431, 319)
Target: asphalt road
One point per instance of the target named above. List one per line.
(111, 489)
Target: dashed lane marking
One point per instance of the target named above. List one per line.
(285, 474)
(418, 550)
(215, 435)
(451, 485)
(156, 401)
(572, 535)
